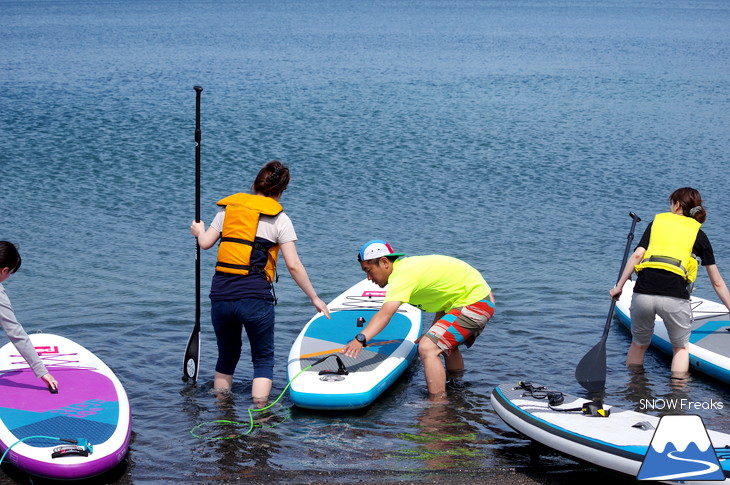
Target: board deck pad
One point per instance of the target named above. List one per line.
(90, 411)
(91, 405)
(327, 337)
(714, 335)
(709, 342)
(377, 365)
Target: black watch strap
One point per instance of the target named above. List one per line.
(362, 339)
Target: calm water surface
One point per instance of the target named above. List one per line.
(514, 135)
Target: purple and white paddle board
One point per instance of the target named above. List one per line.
(81, 431)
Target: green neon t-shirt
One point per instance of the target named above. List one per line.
(435, 283)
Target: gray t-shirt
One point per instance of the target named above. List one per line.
(15, 332)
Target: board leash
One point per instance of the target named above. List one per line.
(556, 398)
(251, 423)
(79, 446)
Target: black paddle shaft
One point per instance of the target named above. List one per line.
(629, 239)
(591, 370)
(191, 361)
(198, 90)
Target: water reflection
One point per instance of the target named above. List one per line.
(637, 387)
(646, 395)
(231, 440)
(448, 432)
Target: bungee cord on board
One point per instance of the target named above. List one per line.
(79, 446)
(556, 398)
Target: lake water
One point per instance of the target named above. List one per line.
(514, 135)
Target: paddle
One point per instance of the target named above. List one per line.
(192, 351)
(591, 370)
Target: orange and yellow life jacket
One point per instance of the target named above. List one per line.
(237, 241)
(670, 245)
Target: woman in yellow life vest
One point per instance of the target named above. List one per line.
(665, 263)
(252, 229)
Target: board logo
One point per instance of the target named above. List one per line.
(46, 349)
(681, 450)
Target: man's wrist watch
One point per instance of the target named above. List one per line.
(362, 339)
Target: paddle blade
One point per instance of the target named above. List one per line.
(192, 357)
(591, 370)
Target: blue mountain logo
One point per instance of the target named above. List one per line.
(681, 450)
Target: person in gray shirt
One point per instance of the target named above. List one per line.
(9, 264)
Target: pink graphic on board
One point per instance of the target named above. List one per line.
(75, 386)
(46, 349)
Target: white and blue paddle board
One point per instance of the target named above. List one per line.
(81, 431)
(709, 342)
(619, 441)
(351, 383)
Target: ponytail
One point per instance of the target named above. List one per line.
(272, 179)
(690, 201)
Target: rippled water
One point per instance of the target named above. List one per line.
(514, 135)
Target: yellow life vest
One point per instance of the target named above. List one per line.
(239, 233)
(670, 245)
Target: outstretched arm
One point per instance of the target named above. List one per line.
(17, 335)
(299, 273)
(374, 327)
(718, 284)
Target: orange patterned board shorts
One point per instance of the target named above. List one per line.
(461, 325)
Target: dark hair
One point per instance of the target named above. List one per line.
(272, 179)
(9, 256)
(691, 203)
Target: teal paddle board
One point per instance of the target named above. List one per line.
(340, 382)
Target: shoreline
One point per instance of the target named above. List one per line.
(562, 475)
(574, 474)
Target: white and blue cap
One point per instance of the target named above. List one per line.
(376, 249)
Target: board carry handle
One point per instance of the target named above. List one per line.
(341, 369)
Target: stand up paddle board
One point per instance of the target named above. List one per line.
(613, 438)
(709, 343)
(81, 431)
(341, 382)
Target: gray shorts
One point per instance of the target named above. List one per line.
(675, 312)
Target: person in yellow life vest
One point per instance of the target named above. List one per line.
(666, 266)
(252, 229)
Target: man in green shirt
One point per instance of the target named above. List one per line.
(456, 292)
